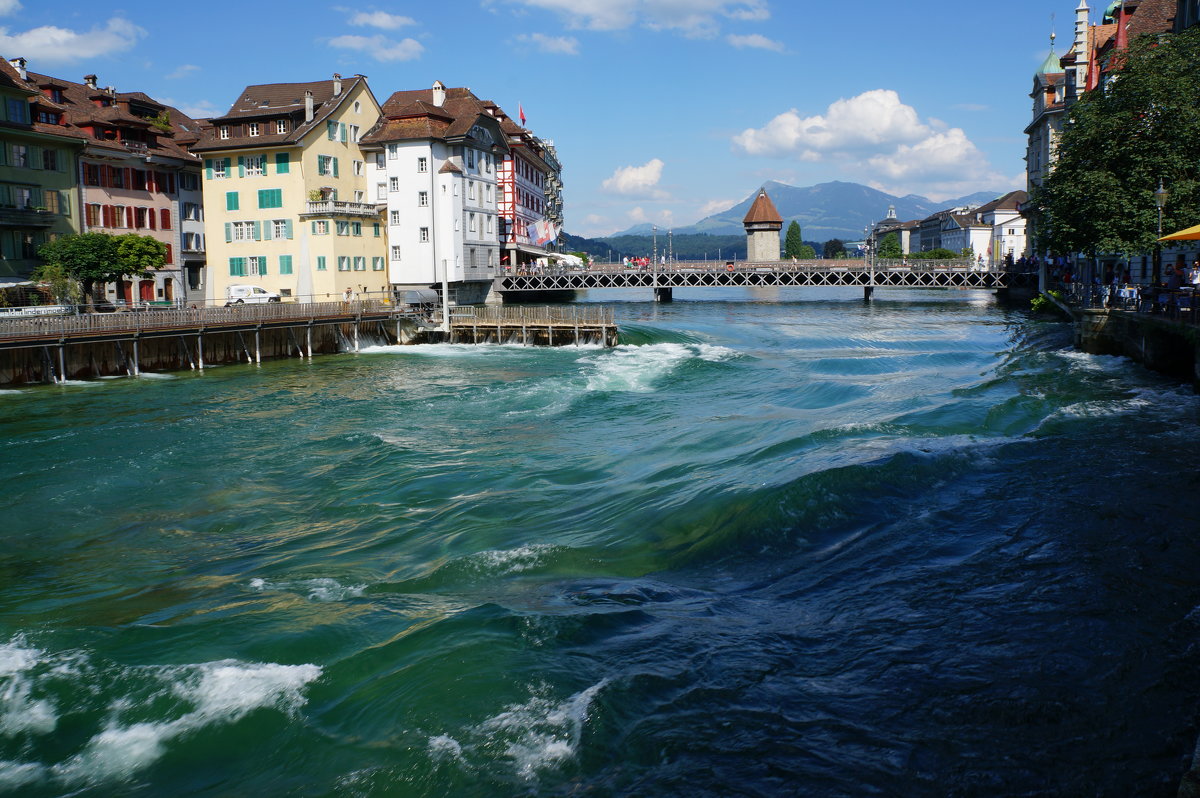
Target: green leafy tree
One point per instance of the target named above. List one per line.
(92, 258)
(889, 247)
(1118, 143)
(63, 286)
(792, 242)
(807, 252)
(834, 248)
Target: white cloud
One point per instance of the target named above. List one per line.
(199, 110)
(755, 40)
(881, 141)
(554, 45)
(637, 181)
(381, 19)
(972, 107)
(691, 17)
(379, 48)
(716, 206)
(9, 7)
(52, 44)
(183, 71)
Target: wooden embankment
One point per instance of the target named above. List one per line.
(532, 326)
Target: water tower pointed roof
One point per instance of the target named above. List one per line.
(763, 211)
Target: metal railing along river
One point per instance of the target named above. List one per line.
(538, 314)
(1178, 304)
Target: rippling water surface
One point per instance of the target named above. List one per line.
(777, 544)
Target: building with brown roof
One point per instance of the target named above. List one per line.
(39, 175)
(287, 194)
(762, 224)
(435, 158)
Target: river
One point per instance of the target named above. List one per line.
(776, 543)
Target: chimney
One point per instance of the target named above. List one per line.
(337, 85)
(439, 93)
(90, 80)
(19, 65)
(308, 106)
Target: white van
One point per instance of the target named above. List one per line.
(248, 294)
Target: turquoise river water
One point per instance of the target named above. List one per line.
(776, 543)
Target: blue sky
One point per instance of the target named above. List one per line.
(662, 110)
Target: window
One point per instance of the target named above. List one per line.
(18, 111)
(395, 252)
(381, 191)
(359, 196)
(20, 154)
(321, 263)
(422, 164)
(220, 167)
(470, 159)
(92, 214)
(376, 230)
(191, 211)
(50, 160)
(423, 198)
(252, 130)
(471, 227)
(356, 228)
(377, 264)
(47, 117)
(358, 168)
(320, 228)
(281, 127)
(343, 228)
(281, 228)
(343, 263)
(189, 181)
(394, 184)
(360, 263)
(255, 165)
(285, 264)
(395, 217)
(224, 131)
(242, 231)
(270, 198)
(231, 200)
(393, 151)
(327, 165)
(354, 133)
(490, 219)
(357, 106)
(379, 160)
(470, 189)
(424, 234)
(256, 265)
(237, 267)
(331, 131)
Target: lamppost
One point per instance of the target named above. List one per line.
(1160, 199)
(670, 247)
(654, 251)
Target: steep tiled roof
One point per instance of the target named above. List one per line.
(267, 102)
(763, 211)
(413, 114)
(78, 112)
(1008, 202)
(1153, 17)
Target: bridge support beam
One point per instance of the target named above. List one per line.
(868, 292)
(663, 294)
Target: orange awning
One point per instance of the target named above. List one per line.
(1190, 234)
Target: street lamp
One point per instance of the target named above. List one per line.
(654, 251)
(1160, 199)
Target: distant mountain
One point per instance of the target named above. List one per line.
(824, 211)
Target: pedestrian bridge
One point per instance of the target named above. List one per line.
(859, 273)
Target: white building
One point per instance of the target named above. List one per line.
(434, 159)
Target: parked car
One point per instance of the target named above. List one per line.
(248, 294)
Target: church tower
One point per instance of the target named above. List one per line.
(762, 224)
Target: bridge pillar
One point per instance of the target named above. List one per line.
(662, 294)
(868, 291)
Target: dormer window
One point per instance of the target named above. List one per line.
(224, 131)
(252, 129)
(281, 126)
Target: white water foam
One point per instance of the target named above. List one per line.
(638, 369)
(319, 589)
(512, 561)
(218, 693)
(541, 734)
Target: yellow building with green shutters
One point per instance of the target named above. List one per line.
(285, 194)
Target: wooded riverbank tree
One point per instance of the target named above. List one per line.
(1117, 143)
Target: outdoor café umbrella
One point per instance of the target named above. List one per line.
(1190, 234)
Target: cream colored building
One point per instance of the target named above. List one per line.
(285, 193)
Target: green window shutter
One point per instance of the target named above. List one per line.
(266, 228)
(377, 229)
(231, 200)
(262, 265)
(331, 130)
(228, 167)
(237, 267)
(262, 198)
(287, 226)
(314, 227)
(285, 264)
(335, 172)
(258, 231)
(277, 197)
(343, 131)
(320, 263)
(228, 232)
(241, 166)
(208, 168)
(282, 163)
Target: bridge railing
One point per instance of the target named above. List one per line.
(534, 315)
(844, 264)
(189, 318)
(1180, 304)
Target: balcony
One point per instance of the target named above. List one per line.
(340, 208)
(25, 217)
